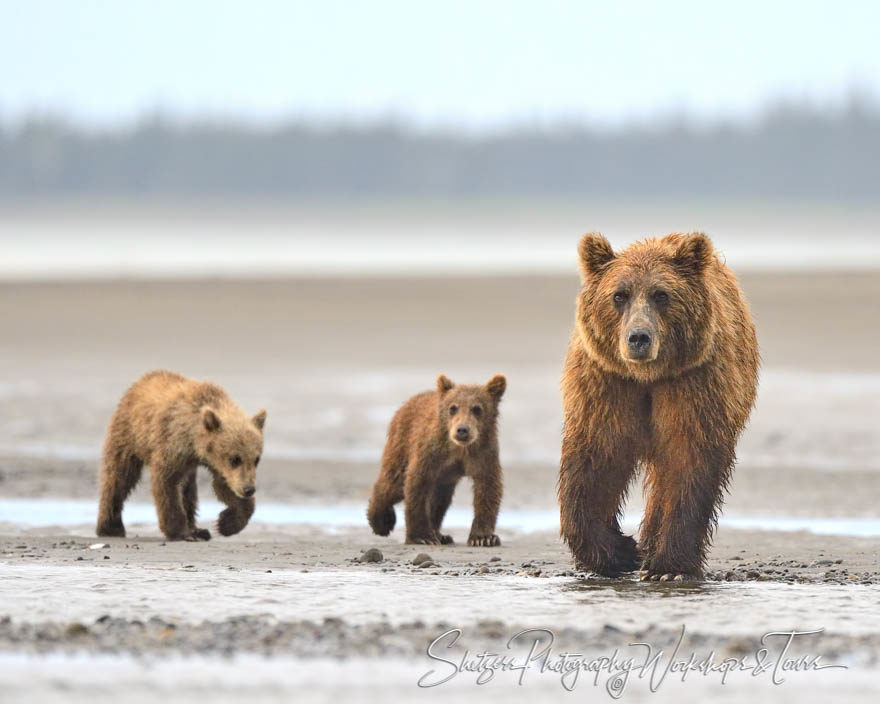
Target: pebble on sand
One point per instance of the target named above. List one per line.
(421, 558)
(371, 555)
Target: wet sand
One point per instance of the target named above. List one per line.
(331, 358)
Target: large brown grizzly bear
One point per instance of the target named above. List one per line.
(435, 439)
(175, 424)
(661, 373)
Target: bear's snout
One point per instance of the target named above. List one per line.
(462, 433)
(639, 341)
(249, 491)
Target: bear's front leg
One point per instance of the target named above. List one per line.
(685, 491)
(417, 497)
(168, 495)
(191, 506)
(440, 500)
(235, 517)
(590, 495)
(487, 501)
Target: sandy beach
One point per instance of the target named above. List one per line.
(290, 601)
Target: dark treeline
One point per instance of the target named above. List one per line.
(790, 152)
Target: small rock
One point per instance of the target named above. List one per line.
(422, 557)
(483, 570)
(76, 629)
(372, 555)
(495, 559)
(427, 563)
(98, 546)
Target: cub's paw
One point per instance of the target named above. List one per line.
(199, 535)
(111, 529)
(445, 539)
(229, 522)
(484, 541)
(423, 541)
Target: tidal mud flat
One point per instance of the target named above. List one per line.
(287, 603)
(283, 609)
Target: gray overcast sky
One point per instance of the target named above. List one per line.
(480, 64)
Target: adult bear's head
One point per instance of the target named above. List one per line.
(647, 312)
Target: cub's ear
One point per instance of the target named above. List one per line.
(210, 419)
(260, 418)
(595, 252)
(444, 384)
(693, 254)
(496, 386)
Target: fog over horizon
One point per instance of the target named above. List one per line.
(794, 150)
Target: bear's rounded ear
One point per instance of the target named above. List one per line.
(260, 418)
(210, 419)
(444, 384)
(693, 254)
(595, 252)
(496, 386)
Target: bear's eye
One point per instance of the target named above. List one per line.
(453, 410)
(477, 411)
(235, 461)
(661, 297)
(257, 461)
(621, 297)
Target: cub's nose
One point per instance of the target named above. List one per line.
(462, 432)
(249, 491)
(639, 342)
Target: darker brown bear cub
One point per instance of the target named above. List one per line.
(435, 439)
(661, 374)
(175, 424)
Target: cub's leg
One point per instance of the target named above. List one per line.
(191, 506)
(120, 472)
(417, 490)
(167, 485)
(439, 504)
(487, 501)
(387, 491)
(238, 512)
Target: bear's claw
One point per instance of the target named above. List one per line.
(485, 541)
(650, 576)
(199, 535)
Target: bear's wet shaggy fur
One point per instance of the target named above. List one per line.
(435, 439)
(174, 424)
(661, 373)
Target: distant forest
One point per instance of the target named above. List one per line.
(790, 152)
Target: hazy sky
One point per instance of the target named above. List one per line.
(481, 64)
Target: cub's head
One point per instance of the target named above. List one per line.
(231, 444)
(468, 413)
(646, 312)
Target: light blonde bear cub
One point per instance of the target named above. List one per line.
(174, 424)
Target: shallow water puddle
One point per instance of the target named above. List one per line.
(31, 592)
(54, 512)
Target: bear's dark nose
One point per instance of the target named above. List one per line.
(639, 342)
(462, 432)
(249, 491)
